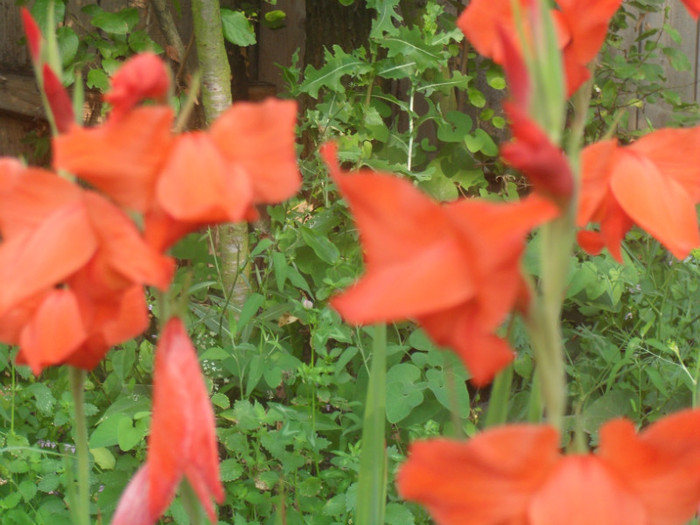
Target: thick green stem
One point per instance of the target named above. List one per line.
(371, 493)
(82, 511)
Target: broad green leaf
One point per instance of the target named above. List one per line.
(98, 79)
(237, 28)
(103, 458)
(67, 44)
(110, 23)
(40, 12)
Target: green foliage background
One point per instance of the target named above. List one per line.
(287, 376)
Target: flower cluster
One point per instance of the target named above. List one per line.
(455, 269)
(75, 257)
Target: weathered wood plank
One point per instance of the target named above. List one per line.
(19, 94)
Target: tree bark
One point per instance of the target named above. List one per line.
(216, 97)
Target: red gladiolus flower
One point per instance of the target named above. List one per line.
(141, 77)
(581, 28)
(654, 183)
(246, 158)
(516, 475)
(454, 268)
(182, 440)
(84, 293)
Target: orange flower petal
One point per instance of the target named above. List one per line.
(435, 278)
(671, 151)
(395, 219)
(581, 491)
(661, 464)
(591, 242)
(596, 169)
(259, 137)
(488, 480)
(459, 328)
(196, 184)
(588, 24)
(54, 333)
(480, 21)
(121, 157)
(65, 241)
(656, 202)
(122, 247)
(183, 439)
(30, 196)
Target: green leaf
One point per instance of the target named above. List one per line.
(679, 60)
(45, 401)
(103, 458)
(237, 28)
(337, 65)
(455, 127)
(105, 434)
(321, 245)
(384, 20)
(410, 46)
(279, 265)
(40, 12)
(480, 141)
(403, 389)
(27, 489)
(110, 23)
(230, 469)
(250, 308)
(220, 400)
(128, 435)
(275, 19)
(67, 44)
(139, 41)
(98, 79)
(398, 514)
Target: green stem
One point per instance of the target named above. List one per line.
(82, 511)
(190, 503)
(371, 493)
(544, 324)
(497, 413)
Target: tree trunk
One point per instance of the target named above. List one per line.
(216, 97)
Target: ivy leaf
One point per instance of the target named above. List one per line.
(338, 64)
(237, 28)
